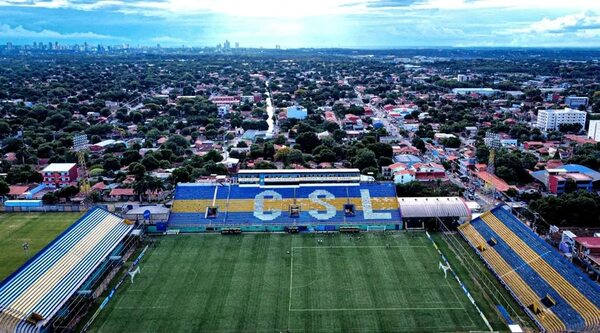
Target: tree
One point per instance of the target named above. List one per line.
(111, 163)
(130, 156)
(365, 158)
(50, 198)
(150, 162)
(419, 144)
(4, 188)
(155, 185)
(452, 142)
(180, 175)
(307, 141)
(141, 186)
(482, 153)
(381, 149)
(326, 155)
(67, 192)
(4, 129)
(570, 128)
(289, 156)
(137, 169)
(570, 186)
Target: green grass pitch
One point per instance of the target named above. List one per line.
(38, 229)
(373, 282)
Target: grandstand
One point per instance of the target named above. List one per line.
(198, 207)
(554, 293)
(46, 290)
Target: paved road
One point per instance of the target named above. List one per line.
(270, 112)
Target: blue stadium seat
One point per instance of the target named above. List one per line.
(187, 216)
(577, 278)
(562, 308)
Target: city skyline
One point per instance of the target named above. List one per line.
(335, 23)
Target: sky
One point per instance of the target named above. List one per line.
(304, 23)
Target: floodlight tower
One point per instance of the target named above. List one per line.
(80, 146)
(493, 142)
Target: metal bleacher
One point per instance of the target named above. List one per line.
(533, 271)
(31, 296)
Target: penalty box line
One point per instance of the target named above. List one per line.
(358, 247)
(335, 247)
(379, 309)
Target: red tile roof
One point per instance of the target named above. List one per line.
(497, 182)
(121, 191)
(17, 190)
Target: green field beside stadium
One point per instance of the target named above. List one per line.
(37, 229)
(372, 282)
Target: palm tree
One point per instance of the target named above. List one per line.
(140, 186)
(155, 185)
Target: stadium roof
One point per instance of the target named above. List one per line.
(433, 207)
(32, 295)
(253, 171)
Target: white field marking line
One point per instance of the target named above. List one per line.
(454, 293)
(457, 299)
(359, 329)
(357, 247)
(140, 307)
(376, 309)
(291, 278)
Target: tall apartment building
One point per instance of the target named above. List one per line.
(594, 130)
(550, 120)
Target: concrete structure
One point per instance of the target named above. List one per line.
(297, 112)
(576, 101)
(594, 130)
(480, 91)
(462, 78)
(225, 100)
(550, 120)
(555, 180)
(59, 174)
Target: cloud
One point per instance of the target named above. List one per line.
(7, 31)
(255, 8)
(505, 4)
(169, 40)
(564, 24)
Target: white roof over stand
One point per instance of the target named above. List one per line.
(433, 207)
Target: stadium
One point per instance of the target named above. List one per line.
(300, 251)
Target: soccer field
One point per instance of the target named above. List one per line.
(38, 229)
(277, 283)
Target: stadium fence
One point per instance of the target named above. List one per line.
(478, 273)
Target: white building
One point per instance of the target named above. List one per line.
(576, 101)
(550, 120)
(594, 130)
(462, 78)
(479, 91)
